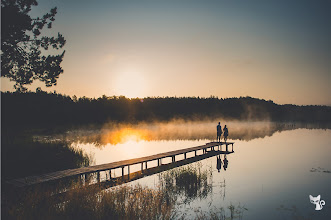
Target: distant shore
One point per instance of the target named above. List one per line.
(43, 109)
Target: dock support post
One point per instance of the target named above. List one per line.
(122, 172)
(226, 147)
(109, 174)
(232, 147)
(98, 176)
(86, 178)
(173, 158)
(146, 165)
(128, 171)
(185, 156)
(158, 162)
(195, 153)
(80, 179)
(142, 167)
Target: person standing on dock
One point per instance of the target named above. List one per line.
(219, 131)
(226, 133)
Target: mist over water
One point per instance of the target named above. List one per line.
(119, 133)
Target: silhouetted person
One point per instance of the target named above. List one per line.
(219, 163)
(219, 131)
(226, 133)
(226, 162)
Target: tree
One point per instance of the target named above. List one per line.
(24, 51)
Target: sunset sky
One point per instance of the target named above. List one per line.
(278, 50)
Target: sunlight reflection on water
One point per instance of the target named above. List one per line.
(269, 173)
(114, 133)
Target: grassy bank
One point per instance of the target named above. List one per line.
(123, 202)
(22, 157)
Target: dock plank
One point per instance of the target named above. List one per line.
(31, 180)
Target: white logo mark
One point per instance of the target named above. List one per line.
(317, 201)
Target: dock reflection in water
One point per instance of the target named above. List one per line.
(113, 181)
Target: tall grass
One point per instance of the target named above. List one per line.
(122, 202)
(189, 182)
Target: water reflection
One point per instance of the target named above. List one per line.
(187, 183)
(114, 134)
(283, 169)
(187, 171)
(124, 135)
(225, 162)
(219, 163)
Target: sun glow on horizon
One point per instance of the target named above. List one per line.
(131, 84)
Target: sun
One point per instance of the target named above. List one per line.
(131, 84)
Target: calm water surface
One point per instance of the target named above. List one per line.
(273, 171)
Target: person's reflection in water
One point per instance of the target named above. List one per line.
(226, 162)
(219, 163)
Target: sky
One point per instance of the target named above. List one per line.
(274, 50)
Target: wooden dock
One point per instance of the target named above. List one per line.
(32, 180)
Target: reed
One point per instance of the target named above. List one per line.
(123, 202)
(189, 181)
(120, 202)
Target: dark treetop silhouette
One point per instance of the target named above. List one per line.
(43, 110)
(22, 45)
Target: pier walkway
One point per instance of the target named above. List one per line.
(108, 167)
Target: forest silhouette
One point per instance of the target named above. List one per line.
(41, 109)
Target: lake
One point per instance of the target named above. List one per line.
(272, 172)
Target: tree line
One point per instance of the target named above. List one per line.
(51, 109)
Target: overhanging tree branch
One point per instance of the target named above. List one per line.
(22, 43)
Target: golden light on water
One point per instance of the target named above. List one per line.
(124, 135)
(114, 134)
